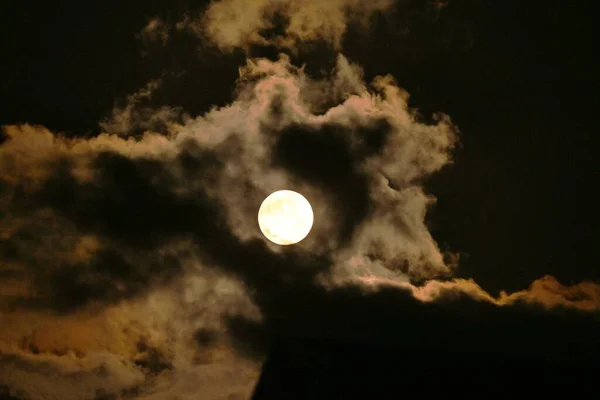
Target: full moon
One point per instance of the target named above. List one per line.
(285, 217)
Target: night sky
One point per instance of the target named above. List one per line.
(139, 139)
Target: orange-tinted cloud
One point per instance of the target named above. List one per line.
(549, 292)
(239, 24)
(156, 30)
(546, 292)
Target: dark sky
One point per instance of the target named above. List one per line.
(518, 201)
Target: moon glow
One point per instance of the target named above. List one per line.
(285, 217)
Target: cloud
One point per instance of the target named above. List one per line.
(546, 292)
(34, 379)
(234, 24)
(437, 318)
(141, 348)
(136, 116)
(92, 224)
(156, 30)
(133, 265)
(549, 292)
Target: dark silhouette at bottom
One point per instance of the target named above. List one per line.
(310, 369)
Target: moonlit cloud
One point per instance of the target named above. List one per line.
(132, 265)
(546, 292)
(137, 274)
(156, 30)
(135, 116)
(234, 24)
(66, 248)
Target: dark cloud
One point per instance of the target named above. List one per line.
(326, 157)
(135, 199)
(380, 371)
(132, 210)
(151, 360)
(455, 321)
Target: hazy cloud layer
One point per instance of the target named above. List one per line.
(234, 24)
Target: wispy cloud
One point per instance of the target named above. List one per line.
(156, 30)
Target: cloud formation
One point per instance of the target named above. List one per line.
(91, 224)
(131, 263)
(139, 246)
(156, 30)
(223, 164)
(234, 24)
(136, 116)
(546, 292)
(139, 349)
